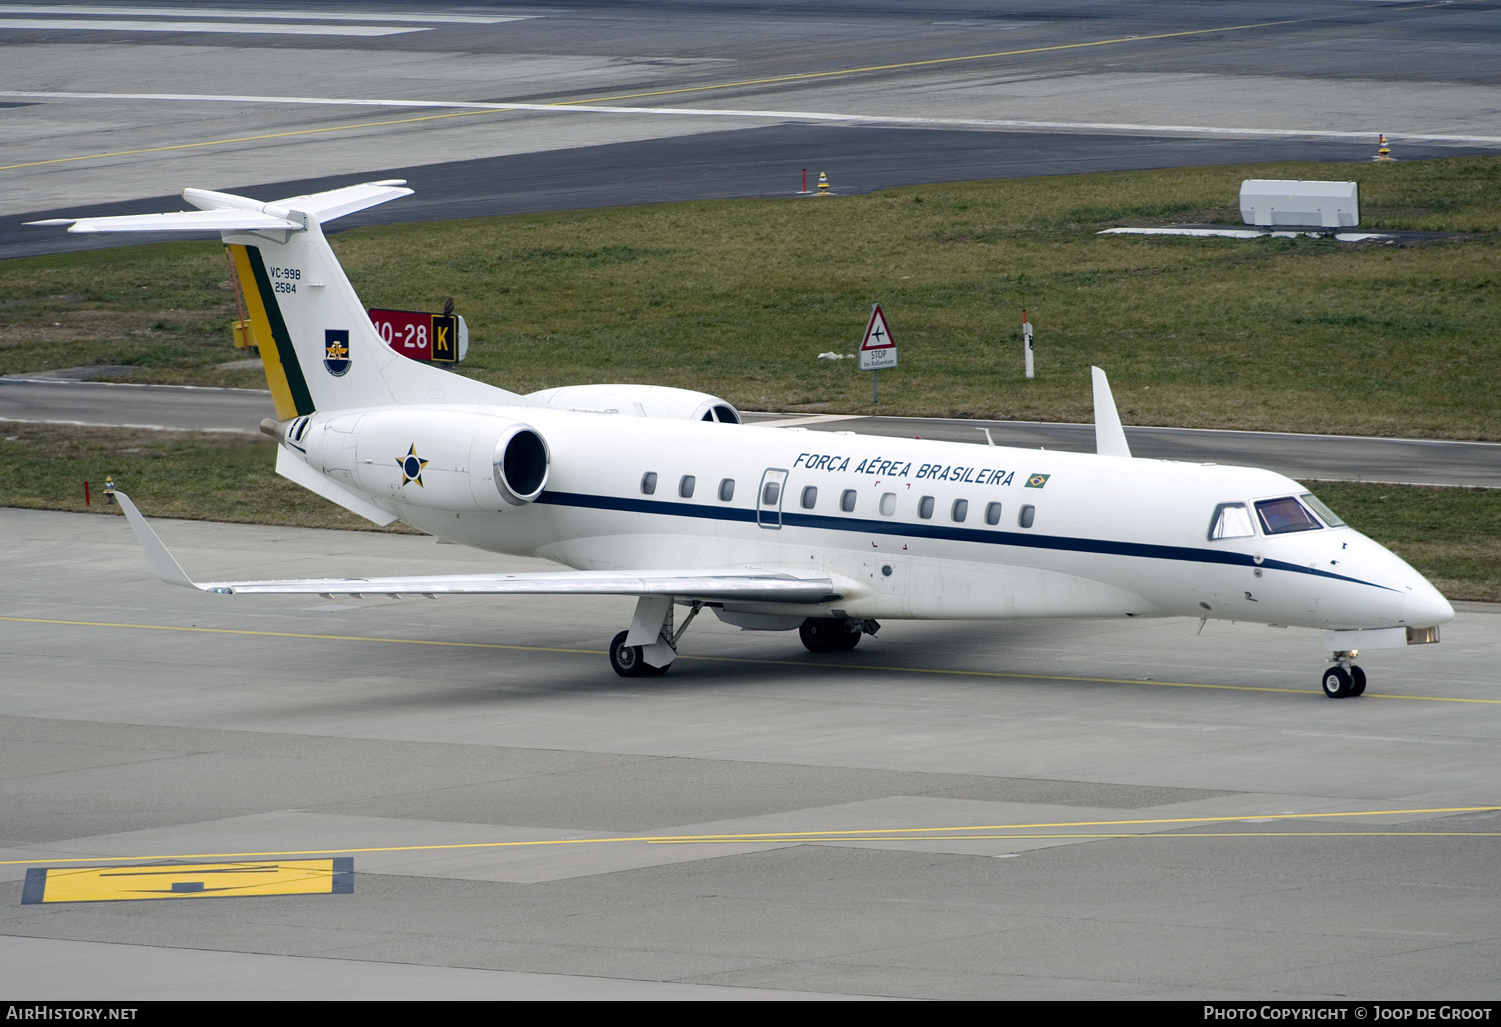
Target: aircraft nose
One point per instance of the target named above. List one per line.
(1425, 607)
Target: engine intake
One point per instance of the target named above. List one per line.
(521, 464)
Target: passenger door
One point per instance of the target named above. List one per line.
(769, 498)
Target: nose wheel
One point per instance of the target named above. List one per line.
(1344, 679)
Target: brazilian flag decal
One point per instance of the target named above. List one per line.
(1037, 481)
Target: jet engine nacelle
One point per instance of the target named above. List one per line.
(639, 401)
(433, 457)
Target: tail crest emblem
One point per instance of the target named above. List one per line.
(336, 351)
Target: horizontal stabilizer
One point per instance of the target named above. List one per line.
(746, 586)
(337, 202)
(226, 212)
(181, 221)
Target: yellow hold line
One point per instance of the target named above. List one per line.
(1004, 675)
(773, 837)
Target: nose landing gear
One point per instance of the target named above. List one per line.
(1344, 678)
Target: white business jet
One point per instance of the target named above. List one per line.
(662, 494)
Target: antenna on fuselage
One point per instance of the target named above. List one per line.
(1109, 436)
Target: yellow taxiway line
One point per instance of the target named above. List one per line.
(950, 672)
(789, 837)
(243, 139)
(805, 76)
(1144, 837)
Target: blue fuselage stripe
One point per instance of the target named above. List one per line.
(903, 529)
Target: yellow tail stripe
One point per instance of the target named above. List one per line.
(255, 306)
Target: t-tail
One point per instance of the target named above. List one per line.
(317, 343)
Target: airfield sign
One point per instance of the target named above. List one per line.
(878, 351)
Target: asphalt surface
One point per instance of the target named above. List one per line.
(750, 163)
(478, 760)
(1413, 461)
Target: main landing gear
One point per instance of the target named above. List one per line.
(651, 644)
(1344, 678)
(834, 634)
(655, 642)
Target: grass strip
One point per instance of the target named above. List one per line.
(738, 298)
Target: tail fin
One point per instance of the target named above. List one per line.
(320, 350)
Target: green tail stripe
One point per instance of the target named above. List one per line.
(301, 397)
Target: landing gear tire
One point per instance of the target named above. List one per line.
(1357, 681)
(827, 635)
(627, 659)
(1338, 683)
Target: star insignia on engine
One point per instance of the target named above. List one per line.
(411, 466)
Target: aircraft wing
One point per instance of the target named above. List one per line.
(712, 585)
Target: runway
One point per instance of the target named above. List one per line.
(501, 108)
(1029, 810)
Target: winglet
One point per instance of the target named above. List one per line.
(1109, 436)
(162, 562)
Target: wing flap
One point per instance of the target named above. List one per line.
(748, 586)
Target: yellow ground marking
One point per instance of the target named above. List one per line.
(247, 139)
(207, 880)
(743, 659)
(784, 837)
(949, 672)
(705, 88)
(805, 76)
(1176, 834)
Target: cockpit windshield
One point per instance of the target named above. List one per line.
(1280, 516)
(1315, 504)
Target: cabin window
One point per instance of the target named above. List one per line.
(726, 490)
(1316, 504)
(685, 486)
(847, 501)
(771, 493)
(960, 510)
(810, 496)
(888, 504)
(1280, 516)
(649, 483)
(993, 514)
(925, 508)
(1231, 520)
(1027, 516)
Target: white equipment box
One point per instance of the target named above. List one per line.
(1269, 201)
